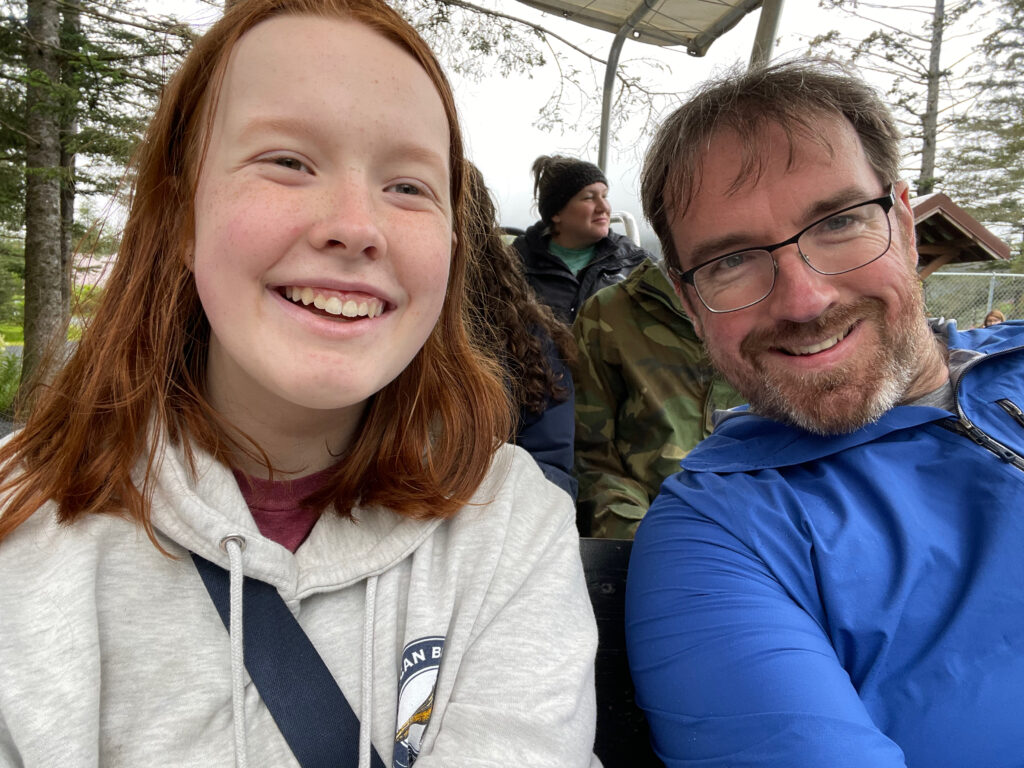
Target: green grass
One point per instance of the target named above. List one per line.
(13, 334)
(10, 378)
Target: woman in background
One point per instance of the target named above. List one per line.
(994, 318)
(571, 254)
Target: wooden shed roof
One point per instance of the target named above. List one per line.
(947, 234)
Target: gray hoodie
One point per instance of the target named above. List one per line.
(112, 654)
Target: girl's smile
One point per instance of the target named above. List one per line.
(348, 305)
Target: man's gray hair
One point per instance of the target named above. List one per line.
(790, 94)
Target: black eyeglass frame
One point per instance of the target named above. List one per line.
(886, 201)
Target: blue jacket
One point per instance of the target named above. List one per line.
(854, 600)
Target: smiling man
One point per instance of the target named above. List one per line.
(835, 577)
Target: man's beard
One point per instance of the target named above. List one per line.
(842, 398)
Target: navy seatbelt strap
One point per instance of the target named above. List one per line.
(301, 693)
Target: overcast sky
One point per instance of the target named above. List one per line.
(498, 114)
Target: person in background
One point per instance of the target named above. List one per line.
(645, 395)
(530, 344)
(571, 253)
(994, 317)
(279, 382)
(835, 577)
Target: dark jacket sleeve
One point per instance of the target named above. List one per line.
(549, 436)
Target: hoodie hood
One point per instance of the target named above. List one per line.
(199, 512)
(648, 280)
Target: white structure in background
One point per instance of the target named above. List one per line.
(693, 24)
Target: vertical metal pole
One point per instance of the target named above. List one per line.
(991, 293)
(606, 96)
(767, 29)
(609, 78)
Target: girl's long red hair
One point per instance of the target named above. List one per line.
(138, 373)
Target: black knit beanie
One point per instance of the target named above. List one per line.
(557, 179)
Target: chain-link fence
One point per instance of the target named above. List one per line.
(968, 296)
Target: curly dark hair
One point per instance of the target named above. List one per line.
(503, 309)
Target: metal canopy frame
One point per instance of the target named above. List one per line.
(693, 24)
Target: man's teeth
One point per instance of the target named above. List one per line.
(332, 305)
(821, 346)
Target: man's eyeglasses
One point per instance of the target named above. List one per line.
(840, 242)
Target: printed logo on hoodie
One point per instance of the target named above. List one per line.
(420, 661)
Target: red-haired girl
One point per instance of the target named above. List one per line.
(279, 382)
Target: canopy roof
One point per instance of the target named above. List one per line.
(946, 234)
(694, 24)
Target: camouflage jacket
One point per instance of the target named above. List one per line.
(645, 393)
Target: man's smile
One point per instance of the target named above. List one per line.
(812, 348)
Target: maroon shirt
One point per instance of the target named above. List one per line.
(276, 506)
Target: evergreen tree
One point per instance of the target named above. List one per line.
(80, 79)
(12, 131)
(987, 163)
(924, 91)
(43, 275)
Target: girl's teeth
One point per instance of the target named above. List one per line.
(332, 304)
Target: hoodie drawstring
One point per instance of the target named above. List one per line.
(366, 707)
(234, 546)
